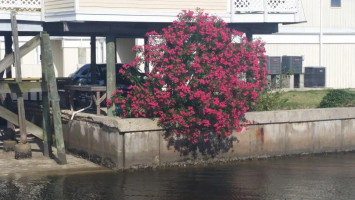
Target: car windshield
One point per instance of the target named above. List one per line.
(83, 75)
(119, 78)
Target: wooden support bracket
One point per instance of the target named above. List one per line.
(22, 87)
(13, 118)
(24, 49)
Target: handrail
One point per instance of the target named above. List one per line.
(265, 6)
(21, 5)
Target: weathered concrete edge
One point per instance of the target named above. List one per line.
(122, 125)
(265, 117)
(302, 115)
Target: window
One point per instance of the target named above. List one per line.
(335, 3)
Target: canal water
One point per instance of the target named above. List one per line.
(329, 176)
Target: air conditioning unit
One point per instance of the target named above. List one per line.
(292, 64)
(274, 64)
(314, 77)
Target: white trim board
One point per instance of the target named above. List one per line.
(306, 39)
(121, 16)
(6, 26)
(314, 30)
(23, 16)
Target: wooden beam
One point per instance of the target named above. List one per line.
(27, 47)
(22, 87)
(47, 134)
(53, 96)
(17, 59)
(93, 59)
(110, 72)
(13, 118)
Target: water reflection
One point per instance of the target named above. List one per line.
(310, 177)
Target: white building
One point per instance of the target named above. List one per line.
(326, 39)
(72, 22)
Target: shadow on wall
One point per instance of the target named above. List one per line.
(215, 145)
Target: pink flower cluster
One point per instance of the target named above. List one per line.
(201, 82)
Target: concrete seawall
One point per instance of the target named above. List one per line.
(126, 143)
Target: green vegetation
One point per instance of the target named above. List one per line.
(304, 99)
(338, 98)
(269, 101)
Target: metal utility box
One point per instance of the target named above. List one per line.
(274, 64)
(292, 64)
(314, 77)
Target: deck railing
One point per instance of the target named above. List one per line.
(265, 6)
(21, 5)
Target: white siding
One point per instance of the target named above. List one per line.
(124, 50)
(58, 5)
(57, 52)
(331, 17)
(71, 60)
(215, 6)
(342, 17)
(339, 60)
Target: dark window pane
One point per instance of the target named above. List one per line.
(335, 3)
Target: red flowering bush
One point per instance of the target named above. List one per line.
(201, 81)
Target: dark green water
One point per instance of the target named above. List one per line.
(310, 177)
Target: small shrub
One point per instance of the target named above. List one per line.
(337, 98)
(269, 100)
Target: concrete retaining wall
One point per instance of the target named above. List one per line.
(126, 143)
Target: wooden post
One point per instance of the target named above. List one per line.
(146, 64)
(54, 97)
(20, 101)
(93, 59)
(110, 72)
(8, 50)
(249, 36)
(47, 136)
(97, 101)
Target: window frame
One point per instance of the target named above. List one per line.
(335, 3)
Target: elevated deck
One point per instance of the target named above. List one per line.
(134, 18)
(232, 11)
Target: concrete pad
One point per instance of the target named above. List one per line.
(23, 151)
(42, 165)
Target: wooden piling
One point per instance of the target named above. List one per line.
(110, 72)
(53, 96)
(47, 135)
(20, 101)
(8, 50)
(93, 59)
